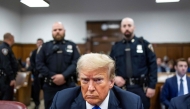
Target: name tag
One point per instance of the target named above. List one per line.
(139, 47)
(70, 51)
(60, 51)
(139, 51)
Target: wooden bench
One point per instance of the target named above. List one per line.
(22, 90)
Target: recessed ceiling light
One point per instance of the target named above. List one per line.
(35, 3)
(166, 1)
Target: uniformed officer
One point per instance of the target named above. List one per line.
(56, 61)
(135, 63)
(8, 68)
(36, 83)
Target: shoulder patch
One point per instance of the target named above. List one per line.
(151, 47)
(5, 51)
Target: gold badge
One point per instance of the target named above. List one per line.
(5, 51)
(151, 47)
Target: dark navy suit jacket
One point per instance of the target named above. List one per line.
(170, 90)
(181, 102)
(72, 98)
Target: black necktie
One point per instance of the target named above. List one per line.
(128, 60)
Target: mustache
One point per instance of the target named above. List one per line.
(127, 31)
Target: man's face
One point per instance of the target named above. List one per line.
(95, 85)
(127, 28)
(12, 40)
(39, 43)
(188, 60)
(181, 68)
(58, 32)
(158, 61)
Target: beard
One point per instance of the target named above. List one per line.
(128, 34)
(58, 37)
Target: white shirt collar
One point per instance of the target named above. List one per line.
(104, 104)
(179, 77)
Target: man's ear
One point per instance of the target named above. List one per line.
(111, 83)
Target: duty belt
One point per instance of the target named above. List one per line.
(49, 81)
(2, 73)
(135, 81)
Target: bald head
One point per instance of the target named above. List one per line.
(127, 27)
(9, 38)
(58, 31)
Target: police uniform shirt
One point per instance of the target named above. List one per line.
(142, 56)
(57, 58)
(8, 62)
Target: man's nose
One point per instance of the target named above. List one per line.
(91, 86)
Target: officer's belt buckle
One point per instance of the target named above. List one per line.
(131, 81)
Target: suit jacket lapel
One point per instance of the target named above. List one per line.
(79, 103)
(113, 102)
(175, 87)
(188, 83)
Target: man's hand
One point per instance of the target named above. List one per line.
(150, 92)
(58, 79)
(119, 81)
(13, 83)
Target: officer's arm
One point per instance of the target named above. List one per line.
(40, 63)
(32, 60)
(152, 66)
(72, 68)
(164, 96)
(14, 65)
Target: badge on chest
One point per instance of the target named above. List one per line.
(69, 48)
(139, 49)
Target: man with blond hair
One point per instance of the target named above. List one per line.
(96, 73)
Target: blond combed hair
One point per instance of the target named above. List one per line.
(95, 61)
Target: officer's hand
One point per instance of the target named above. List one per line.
(58, 79)
(13, 83)
(119, 81)
(150, 92)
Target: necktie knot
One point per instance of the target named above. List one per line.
(96, 107)
(181, 80)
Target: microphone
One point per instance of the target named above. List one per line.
(55, 48)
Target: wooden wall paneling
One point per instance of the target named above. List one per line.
(186, 52)
(27, 49)
(17, 50)
(174, 51)
(160, 51)
(102, 47)
(82, 48)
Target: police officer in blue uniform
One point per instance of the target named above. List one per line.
(36, 81)
(8, 68)
(56, 61)
(136, 67)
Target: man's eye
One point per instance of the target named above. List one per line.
(98, 80)
(85, 80)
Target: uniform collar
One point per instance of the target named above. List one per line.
(62, 42)
(131, 41)
(6, 44)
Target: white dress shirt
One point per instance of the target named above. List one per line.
(104, 104)
(185, 86)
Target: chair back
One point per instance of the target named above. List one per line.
(11, 105)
